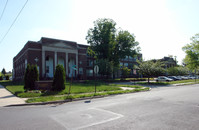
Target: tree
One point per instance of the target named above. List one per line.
(35, 73)
(102, 37)
(3, 71)
(125, 72)
(27, 78)
(175, 71)
(151, 69)
(125, 45)
(192, 53)
(59, 78)
(110, 46)
(105, 66)
(31, 75)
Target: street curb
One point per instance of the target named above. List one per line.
(55, 102)
(67, 100)
(183, 84)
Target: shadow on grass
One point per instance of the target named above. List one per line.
(18, 92)
(154, 83)
(51, 93)
(9, 83)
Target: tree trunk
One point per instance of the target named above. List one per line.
(195, 75)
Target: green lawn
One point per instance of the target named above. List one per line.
(56, 98)
(78, 90)
(184, 81)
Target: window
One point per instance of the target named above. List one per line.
(26, 62)
(126, 64)
(90, 63)
(47, 58)
(47, 69)
(81, 71)
(126, 58)
(89, 72)
(121, 64)
(38, 69)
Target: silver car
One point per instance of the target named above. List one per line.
(163, 79)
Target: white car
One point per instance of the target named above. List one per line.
(163, 79)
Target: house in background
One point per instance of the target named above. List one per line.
(48, 53)
(167, 61)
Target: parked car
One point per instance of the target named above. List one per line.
(190, 77)
(173, 77)
(179, 77)
(184, 78)
(163, 79)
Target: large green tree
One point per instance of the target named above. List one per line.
(102, 37)
(110, 44)
(192, 53)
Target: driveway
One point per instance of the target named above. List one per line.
(7, 98)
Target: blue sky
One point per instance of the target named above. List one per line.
(162, 27)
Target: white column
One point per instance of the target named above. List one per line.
(66, 63)
(77, 63)
(55, 59)
(43, 63)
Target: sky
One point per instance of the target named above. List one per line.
(162, 27)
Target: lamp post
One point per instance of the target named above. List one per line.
(96, 70)
(73, 68)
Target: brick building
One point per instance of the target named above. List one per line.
(48, 52)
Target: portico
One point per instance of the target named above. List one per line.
(58, 53)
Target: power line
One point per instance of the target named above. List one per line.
(13, 22)
(4, 10)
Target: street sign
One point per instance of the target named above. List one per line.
(96, 69)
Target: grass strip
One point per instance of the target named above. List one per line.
(77, 88)
(76, 96)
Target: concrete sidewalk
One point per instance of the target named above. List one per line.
(7, 98)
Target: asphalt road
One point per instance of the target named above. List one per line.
(163, 108)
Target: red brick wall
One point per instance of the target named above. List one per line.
(25, 53)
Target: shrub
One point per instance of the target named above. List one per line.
(31, 75)
(59, 79)
(1, 78)
(27, 78)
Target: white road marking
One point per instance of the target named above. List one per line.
(86, 118)
(104, 121)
